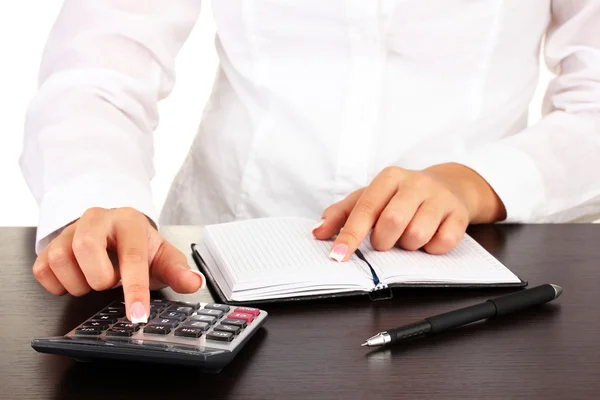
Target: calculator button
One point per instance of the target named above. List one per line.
(220, 336)
(157, 329)
(110, 319)
(197, 325)
(222, 307)
(88, 331)
(228, 328)
(95, 324)
(248, 310)
(212, 313)
(173, 315)
(181, 309)
(234, 322)
(156, 307)
(203, 318)
(127, 325)
(195, 306)
(119, 332)
(189, 332)
(116, 306)
(243, 316)
(159, 301)
(171, 323)
(117, 313)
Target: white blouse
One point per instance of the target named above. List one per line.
(312, 99)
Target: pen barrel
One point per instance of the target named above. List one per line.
(460, 317)
(411, 331)
(524, 299)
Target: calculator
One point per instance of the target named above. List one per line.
(205, 335)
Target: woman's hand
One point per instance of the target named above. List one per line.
(429, 209)
(77, 261)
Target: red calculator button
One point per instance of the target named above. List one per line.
(243, 316)
(248, 310)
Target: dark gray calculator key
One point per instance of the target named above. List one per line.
(203, 318)
(196, 324)
(221, 307)
(195, 306)
(157, 329)
(220, 336)
(118, 313)
(212, 313)
(96, 324)
(234, 322)
(171, 323)
(181, 309)
(189, 332)
(127, 325)
(228, 328)
(173, 315)
(119, 332)
(159, 301)
(88, 331)
(116, 306)
(156, 307)
(109, 319)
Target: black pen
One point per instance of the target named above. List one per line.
(463, 316)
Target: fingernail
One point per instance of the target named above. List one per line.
(138, 313)
(318, 225)
(119, 284)
(199, 274)
(339, 252)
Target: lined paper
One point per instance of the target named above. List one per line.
(469, 262)
(259, 249)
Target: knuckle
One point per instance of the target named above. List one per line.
(40, 270)
(448, 240)
(58, 256)
(365, 207)
(99, 282)
(391, 172)
(83, 242)
(132, 255)
(94, 212)
(129, 213)
(349, 235)
(394, 219)
(135, 288)
(416, 235)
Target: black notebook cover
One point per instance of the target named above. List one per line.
(383, 294)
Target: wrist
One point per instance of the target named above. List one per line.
(479, 197)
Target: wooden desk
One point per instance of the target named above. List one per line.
(312, 351)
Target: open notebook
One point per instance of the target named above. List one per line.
(276, 259)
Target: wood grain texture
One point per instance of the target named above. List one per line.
(312, 350)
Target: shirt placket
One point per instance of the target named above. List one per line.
(360, 125)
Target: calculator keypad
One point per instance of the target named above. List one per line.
(217, 323)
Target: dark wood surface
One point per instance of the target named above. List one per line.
(313, 350)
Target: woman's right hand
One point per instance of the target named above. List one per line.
(77, 261)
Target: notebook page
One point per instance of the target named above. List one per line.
(469, 262)
(277, 251)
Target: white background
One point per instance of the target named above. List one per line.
(24, 26)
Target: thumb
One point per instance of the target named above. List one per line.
(170, 266)
(334, 217)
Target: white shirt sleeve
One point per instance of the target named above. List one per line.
(89, 130)
(550, 171)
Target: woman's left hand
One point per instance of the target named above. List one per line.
(429, 209)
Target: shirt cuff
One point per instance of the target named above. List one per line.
(66, 202)
(514, 177)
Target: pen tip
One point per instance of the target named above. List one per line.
(557, 289)
(365, 344)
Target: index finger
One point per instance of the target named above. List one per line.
(131, 238)
(364, 215)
